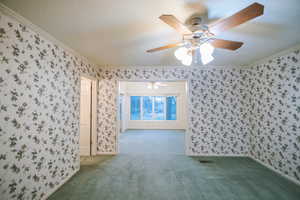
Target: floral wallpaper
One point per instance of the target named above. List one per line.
(217, 102)
(232, 110)
(275, 113)
(39, 112)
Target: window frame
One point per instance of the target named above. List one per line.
(165, 107)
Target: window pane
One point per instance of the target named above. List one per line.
(171, 108)
(147, 108)
(158, 108)
(135, 107)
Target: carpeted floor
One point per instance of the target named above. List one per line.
(152, 142)
(144, 171)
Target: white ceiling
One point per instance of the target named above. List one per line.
(118, 33)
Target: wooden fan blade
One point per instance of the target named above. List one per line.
(164, 47)
(226, 44)
(244, 15)
(175, 23)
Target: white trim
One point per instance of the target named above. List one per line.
(219, 155)
(118, 131)
(273, 56)
(107, 153)
(276, 171)
(166, 67)
(152, 94)
(11, 13)
(94, 115)
(188, 121)
(94, 118)
(51, 191)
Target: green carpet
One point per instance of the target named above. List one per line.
(152, 166)
(166, 177)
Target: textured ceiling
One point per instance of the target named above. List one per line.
(118, 33)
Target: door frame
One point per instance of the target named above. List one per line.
(187, 133)
(93, 145)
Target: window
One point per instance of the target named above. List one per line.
(135, 107)
(171, 108)
(159, 105)
(147, 108)
(153, 108)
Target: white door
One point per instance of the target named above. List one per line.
(85, 116)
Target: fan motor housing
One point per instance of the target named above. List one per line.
(195, 25)
(195, 21)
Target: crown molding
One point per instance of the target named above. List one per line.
(166, 67)
(276, 55)
(11, 13)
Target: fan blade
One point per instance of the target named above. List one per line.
(165, 47)
(226, 44)
(175, 23)
(244, 15)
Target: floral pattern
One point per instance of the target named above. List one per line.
(39, 112)
(217, 102)
(275, 113)
(232, 110)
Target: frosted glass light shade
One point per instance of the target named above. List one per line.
(187, 60)
(206, 58)
(206, 49)
(181, 53)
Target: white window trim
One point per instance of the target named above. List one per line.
(151, 95)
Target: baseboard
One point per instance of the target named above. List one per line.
(219, 155)
(49, 193)
(259, 161)
(276, 171)
(106, 153)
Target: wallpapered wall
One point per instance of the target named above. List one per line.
(275, 113)
(39, 112)
(252, 111)
(217, 106)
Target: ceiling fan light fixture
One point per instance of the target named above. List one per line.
(206, 58)
(181, 53)
(187, 61)
(206, 49)
(199, 38)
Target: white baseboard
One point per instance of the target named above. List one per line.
(106, 153)
(276, 171)
(219, 155)
(50, 192)
(259, 161)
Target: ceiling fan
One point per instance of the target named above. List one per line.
(199, 39)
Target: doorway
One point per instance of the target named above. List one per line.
(152, 114)
(88, 102)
